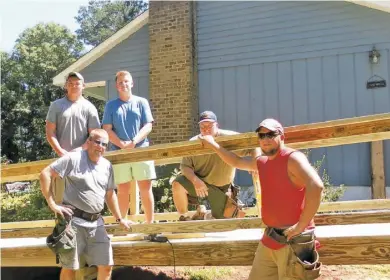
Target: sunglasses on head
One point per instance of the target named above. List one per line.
(100, 143)
(269, 135)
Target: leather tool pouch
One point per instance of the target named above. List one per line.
(62, 239)
(303, 259)
(235, 192)
(232, 210)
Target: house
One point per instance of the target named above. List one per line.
(300, 62)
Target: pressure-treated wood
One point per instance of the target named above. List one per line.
(377, 204)
(331, 133)
(352, 244)
(257, 191)
(140, 237)
(380, 216)
(354, 205)
(378, 170)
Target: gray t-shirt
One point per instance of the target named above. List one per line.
(72, 120)
(86, 183)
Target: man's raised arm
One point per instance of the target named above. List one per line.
(230, 158)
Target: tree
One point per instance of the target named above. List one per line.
(100, 19)
(27, 90)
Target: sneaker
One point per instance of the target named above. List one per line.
(183, 218)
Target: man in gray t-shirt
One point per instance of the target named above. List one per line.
(68, 123)
(71, 118)
(89, 182)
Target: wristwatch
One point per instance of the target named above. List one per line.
(118, 220)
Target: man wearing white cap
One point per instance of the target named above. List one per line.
(69, 121)
(291, 194)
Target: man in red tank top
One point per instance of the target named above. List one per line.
(291, 192)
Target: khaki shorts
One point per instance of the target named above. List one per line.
(93, 244)
(217, 195)
(271, 264)
(138, 171)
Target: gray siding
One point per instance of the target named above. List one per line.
(300, 62)
(132, 55)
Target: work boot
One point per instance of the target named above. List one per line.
(183, 218)
(200, 213)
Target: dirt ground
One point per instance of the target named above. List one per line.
(369, 272)
(242, 272)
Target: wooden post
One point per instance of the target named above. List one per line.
(378, 188)
(257, 190)
(134, 198)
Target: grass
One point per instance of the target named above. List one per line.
(366, 272)
(211, 273)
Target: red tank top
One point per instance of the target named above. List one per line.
(282, 202)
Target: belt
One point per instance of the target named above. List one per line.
(278, 235)
(85, 215)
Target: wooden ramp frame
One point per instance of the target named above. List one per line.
(341, 244)
(316, 135)
(349, 244)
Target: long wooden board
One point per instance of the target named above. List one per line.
(216, 225)
(330, 133)
(355, 205)
(352, 244)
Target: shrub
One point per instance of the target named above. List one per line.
(25, 206)
(331, 192)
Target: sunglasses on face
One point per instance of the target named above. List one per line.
(100, 143)
(269, 135)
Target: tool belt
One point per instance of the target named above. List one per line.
(303, 259)
(85, 215)
(232, 209)
(62, 239)
(235, 192)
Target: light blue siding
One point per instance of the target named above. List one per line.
(132, 55)
(299, 62)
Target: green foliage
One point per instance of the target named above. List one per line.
(162, 191)
(39, 54)
(331, 192)
(25, 206)
(101, 19)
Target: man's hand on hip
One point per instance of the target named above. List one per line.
(62, 210)
(200, 188)
(293, 231)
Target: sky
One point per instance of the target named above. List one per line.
(17, 15)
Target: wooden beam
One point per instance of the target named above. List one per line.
(355, 205)
(216, 225)
(378, 187)
(257, 192)
(330, 133)
(378, 204)
(341, 245)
